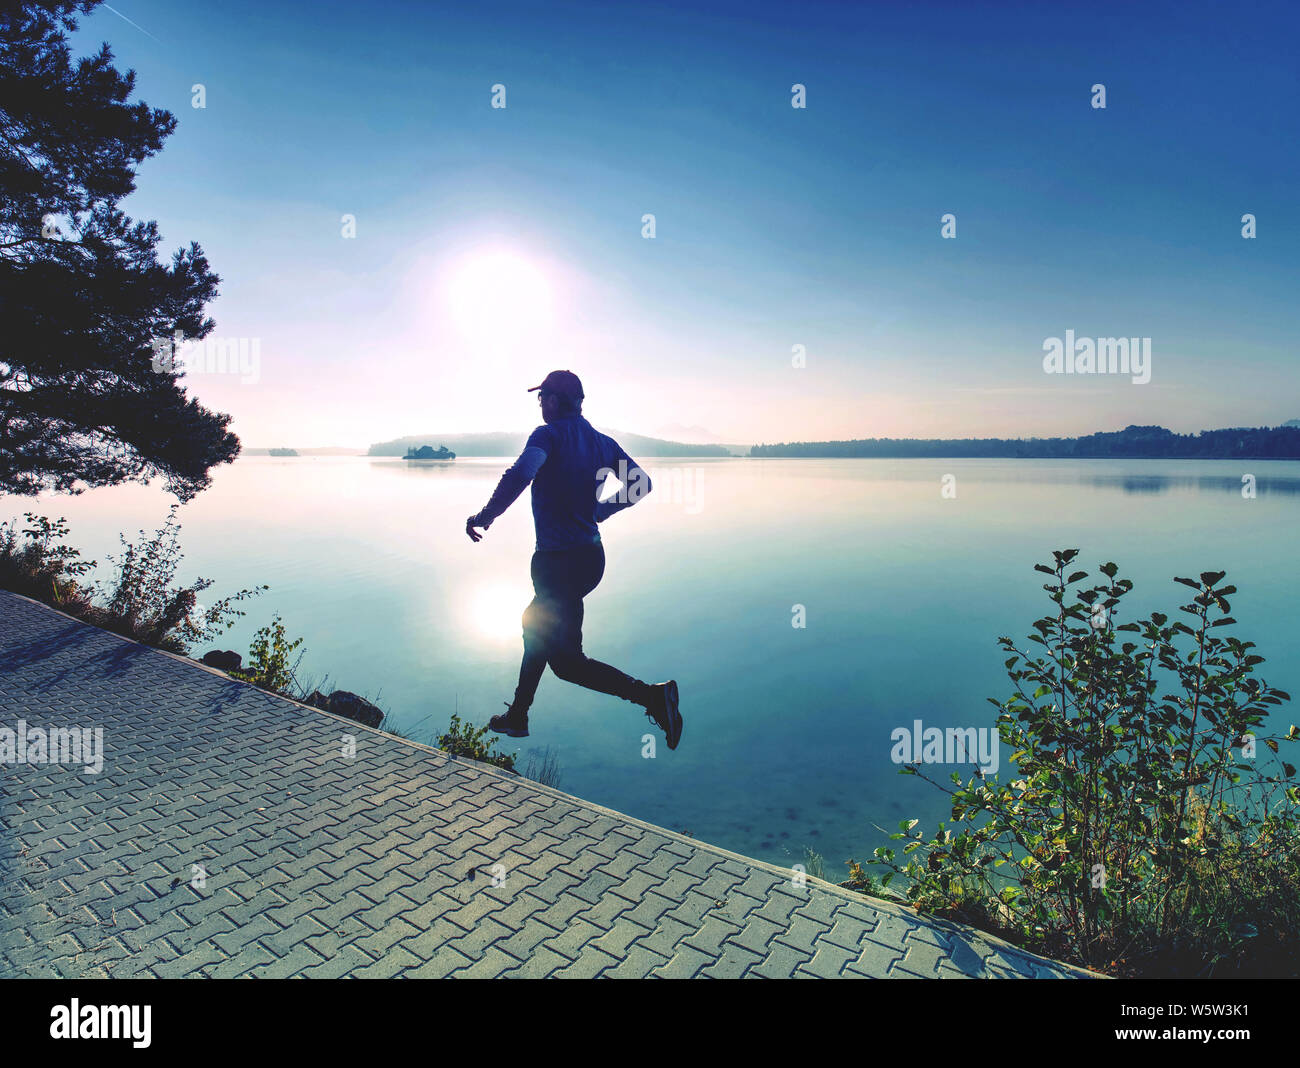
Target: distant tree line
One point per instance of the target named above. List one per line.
(1133, 442)
(511, 444)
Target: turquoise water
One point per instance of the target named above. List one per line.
(787, 730)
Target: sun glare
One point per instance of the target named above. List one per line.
(495, 610)
(499, 298)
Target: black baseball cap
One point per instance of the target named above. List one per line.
(564, 383)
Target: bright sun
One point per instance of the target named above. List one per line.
(496, 609)
(499, 299)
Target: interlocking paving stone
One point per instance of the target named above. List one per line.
(541, 964)
(711, 935)
(618, 937)
(876, 960)
(382, 864)
(533, 932)
(589, 965)
(801, 932)
(667, 935)
(733, 964)
(782, 962)
(686, 963)
(756, 935)
(965, 959)
(922, 958)
(637, 963)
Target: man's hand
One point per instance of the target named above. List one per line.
(472, 522)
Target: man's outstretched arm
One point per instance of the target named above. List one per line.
(512, 484)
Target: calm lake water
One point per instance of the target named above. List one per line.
(787, 730)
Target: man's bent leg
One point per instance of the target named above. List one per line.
(576, 667)
(568, 577)
(570, 663)
(580, 572)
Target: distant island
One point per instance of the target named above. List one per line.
(512, 444)
(281, 452)
(1131, 443)
(428, 452)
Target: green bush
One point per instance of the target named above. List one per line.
(1134, 838)
(37, 566)
(268, 660)
(142, 603)
(466, 740)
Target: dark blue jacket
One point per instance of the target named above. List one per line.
(567, 462)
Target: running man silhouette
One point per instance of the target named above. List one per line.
(566, 460)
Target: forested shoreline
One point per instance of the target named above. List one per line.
(1133, 442)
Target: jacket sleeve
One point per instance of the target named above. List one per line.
(516, 477)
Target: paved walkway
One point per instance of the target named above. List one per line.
(383, 864)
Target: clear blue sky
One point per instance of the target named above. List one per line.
(494, 244)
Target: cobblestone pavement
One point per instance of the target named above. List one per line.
(379, 865)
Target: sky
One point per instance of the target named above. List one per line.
(797, 285)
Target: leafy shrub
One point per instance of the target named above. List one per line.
(464, 739)
(268, 660)
(144, 604)
(37, 566)
(1134, 838)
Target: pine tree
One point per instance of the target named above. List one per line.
(84, 399)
